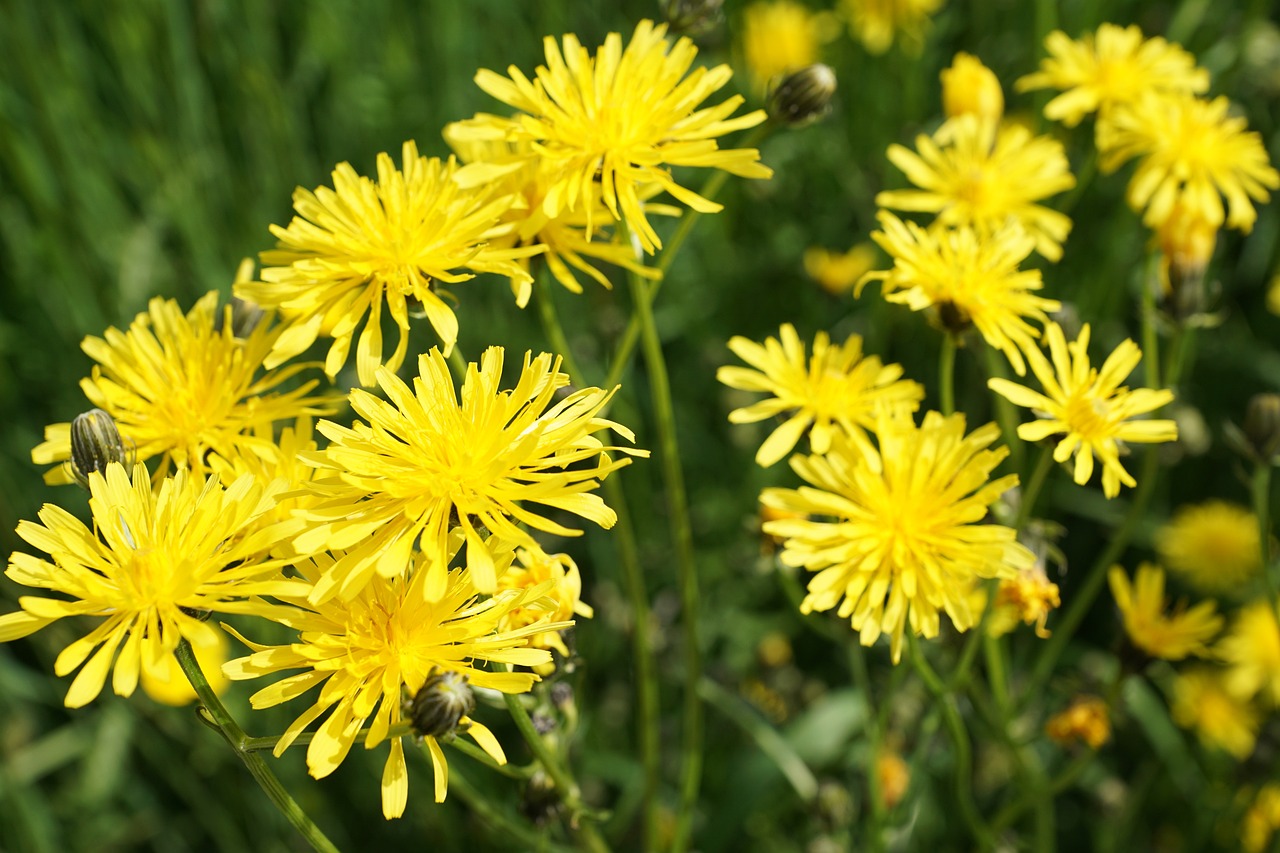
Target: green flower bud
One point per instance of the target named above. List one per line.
(804, 96)
(245, 317)
(692, 17)
(440, 704)
(1262, 425)
(95, 443)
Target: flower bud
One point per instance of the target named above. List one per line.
(692, 17)
(95, 443)
(969, 87)
(440, 704)
(245, 317)
(1262, 426)
(803, 97)
(1187, 241)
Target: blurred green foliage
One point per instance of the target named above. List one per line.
(146, 146)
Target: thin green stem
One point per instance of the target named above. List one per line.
(1057, 785)
(686, 566)
(862, 679)
(765, 737)
(458, 363)
(960, 675)
(1031, 491)
(554, 330)
(997, 676)
(478, 804)
(947, 374)
(1150, 340)
(256, 765)
(266, 744)
(1261, 488)
(1006, 412)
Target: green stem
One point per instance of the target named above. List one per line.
(1261, 488)
(1150, 340)
(266, 744)
(530, 839)
(1031, 491)
(947, 374)
(686, 566)
(862, 678)
(1006, 412)
(960, 675)
(1060, 783)
(554, 331)
(254, 762)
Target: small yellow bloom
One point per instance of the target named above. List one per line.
(1113, 66)
(1220, 720)
(976, 171)
(838, 272)
(877, 23)
(558, 575)
(1213, 546)
(1251, 651)
(1031, 596)
(1171, 636)
(1273, 294)
(1089, 407)
(968, 86)
(168, 684)
(836, 389)
(1187, 239)
(893, 777)
(1087, 719)
(781, 36)
(1262, 819)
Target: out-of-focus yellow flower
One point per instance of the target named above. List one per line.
(979, 172)
(1089, 407)
(1114, 66)
(167, 684)
(1213, 546)
(1220, 720)
(968, 86)
(1262, 819)
(970, 279)
(781, 36)
(1086, 719)
(838, 272)
(1031, 596)
(561, 603)
(774, 649)
(1251, 651)
(1192, 153)
(893, 777)
(835, 390)
(1187, 239)
(878, 23)
(1171, 636)
(1273, 294)
(897, 535)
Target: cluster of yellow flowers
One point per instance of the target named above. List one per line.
(402, 551)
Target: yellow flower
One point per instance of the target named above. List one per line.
(970, 278)
(1273, 294)
(836, 389)
(561, 603)
(423, 464)
(781, 36)
(1088, 407)
(1220, 720)
(1213, 545)
(901, 536)
(1114, 66)
(1030, 595)
(838, 272)
(876, 23)
(893, 777)
(365, 246)
(968, 86)
(153, 557)
(1170, 636)
(1261, 820)
(179, 386)
(168, 684)
(1191, 150)
(976, 171)
(616, 121)
(1086, 719)
(370, 653)
(1251, 650)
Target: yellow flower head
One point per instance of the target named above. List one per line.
(1086, 719)
(617, 121)
(179, 386)
(893, 777)
(371, 653)
(976, 171)
(1262, 819)
(838, 272)
(423, 463)
(1220, 720)
(168, 684)
(154, 556)
(1089, 407)
(1114, 66)
(972, 278)
(1213, 546)
(561, 603)
(365, 246)
(1030, 595)
(968, 86)
(1191, 151)
(877, 23)
(899, 534)
(1170, 636)
(780, 36)
(835, 389)
(1251, 650)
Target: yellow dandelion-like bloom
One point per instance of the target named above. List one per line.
(781, 36)
(615, 122)
(1251, 650)
(1220, 720)
(1192, 153)
(968, 86)
(1086, 719)
(168, 684)
(1089, 407)
(154, 556)
(1030, 596)
(899, 534)
(572, 239)
(971, 278)
(838, 272)
(1170, 636)
(423, 463)
(365, 246)
(976, 171)
(836, 389)
(1213, 545)
(893, 777)
(182, 385)
(1262, 819)
(371, 653)
(561, 603)
(1115, 65)
(877, 23)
